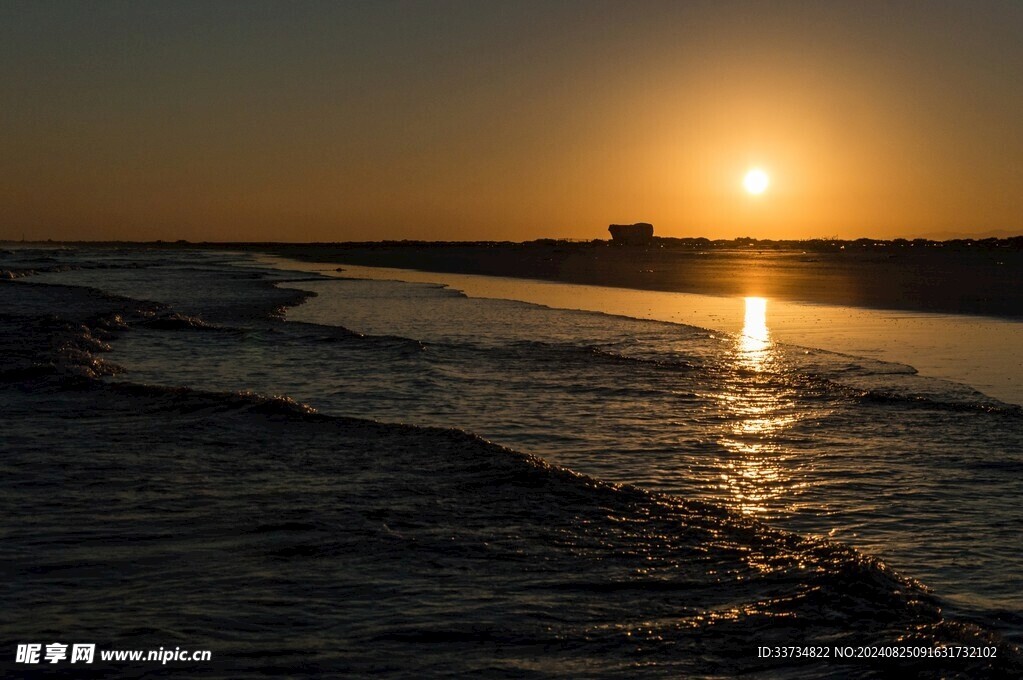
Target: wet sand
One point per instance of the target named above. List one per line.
(981, 281)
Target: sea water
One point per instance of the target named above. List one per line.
(766, 485)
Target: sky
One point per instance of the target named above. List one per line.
(456, 120)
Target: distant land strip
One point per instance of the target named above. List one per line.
(961, 276)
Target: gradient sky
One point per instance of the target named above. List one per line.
(508, 120)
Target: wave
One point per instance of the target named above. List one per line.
(311, 332)
(22, 272)
(603, 562)
(175, 321)
(981, 404)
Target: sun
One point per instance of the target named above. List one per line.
(756, 181)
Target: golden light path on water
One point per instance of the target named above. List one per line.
(755, 338)
(754, 474)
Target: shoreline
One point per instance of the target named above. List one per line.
(977, 278)
(977, 351)
(982, 283)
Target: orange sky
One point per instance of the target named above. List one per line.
(463, 120)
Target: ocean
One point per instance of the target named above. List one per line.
(330, 475)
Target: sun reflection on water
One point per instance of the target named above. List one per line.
(756, 475)
(755, 339)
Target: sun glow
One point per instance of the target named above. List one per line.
(756, 181)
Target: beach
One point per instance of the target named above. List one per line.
(311, 474)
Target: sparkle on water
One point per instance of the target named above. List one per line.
(754, 475)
